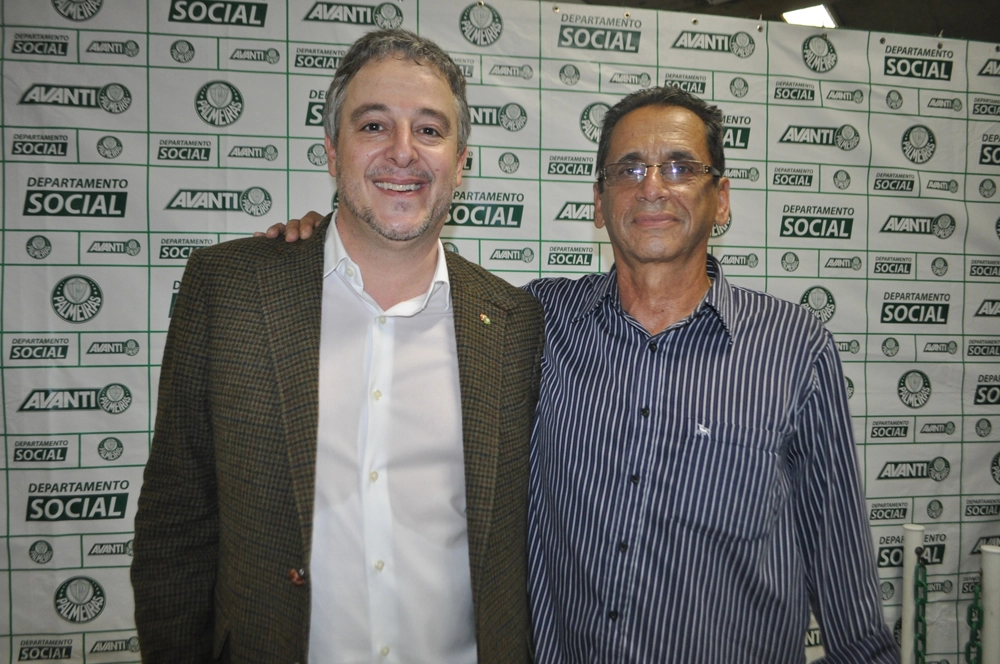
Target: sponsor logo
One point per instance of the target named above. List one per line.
(30, 650)
(740, 44)
(254, 201)
(857, 96)
(989, 540)
(947, 428)
(129, 48)
(576, 211)
(114, 98)
(486, 208)
(270, 55)
(129, 347)
(513, 71)
(888, 590)
(77, 299)
(894, 100)
(982, 507)
(990, 68)
(508, 162)
(984, 268)
(751, 173)
(987, 390)
(936, 469)
(687, 82)
(40, 44)
(844, 137)
(954, 104)
(935, 509)
(814, 637)
(218, 12)
(642, 80)
(109, 147)
(794, 91)
(481, 24)
(894, 182)
(915, 308)
(40, 145)
(385, 15)
(465, 65)
(987, 188)
(184, 150)
(914, 389)
(849, 387)
(983, 428)
(38, 247)
(52, 203)
(571, 255)
(77, 10)
(110, 448)
(320, 58)
(988, 308)
(842, 179)
(918, 144)
(79, 599)
(892, 265)
(916, 62)
(736, 131)
(941, 226)
(950, 186)
(738, 87)
(790, 261)
(39, 348)
(845, 262)
(592, 119)
(571, 165)
(818, 54)
(989, 151)
(598, 33)
(268, 152)
(451, 246)
(114, 399)
(816, 221)
(511, 117)
(889, 429)
(950, 347)
(939, 266)
(569, 74)
(888, 511)
(77, 501)
(793, 177)
(526, 255)
(820, 302)
(34, 451)
(853, 346)
(40, 552)
(130, 644)
(890, 347)
(892, 556)
(182, 51)
(130, 247)
(317, 154)
(745, 260)
(180, 249)
(219, 103)
(984, 348)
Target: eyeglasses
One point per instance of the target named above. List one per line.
(672, 172)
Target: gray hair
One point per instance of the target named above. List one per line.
(381, 44)
(666, 96)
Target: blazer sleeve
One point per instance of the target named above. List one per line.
(175, 548)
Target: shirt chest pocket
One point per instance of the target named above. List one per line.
(726, 481)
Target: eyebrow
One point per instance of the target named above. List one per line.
(676, 155)
(365, 109)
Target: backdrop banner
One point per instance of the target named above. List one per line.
(864, 171)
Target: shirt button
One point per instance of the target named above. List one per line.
(377, 394)
(373, 476)
(644, 411)
(612, 615)
(379, 565)
(634, 479)
(652, 346)
(381, 320)
(350, 271)
(384, 651)
(623, 546)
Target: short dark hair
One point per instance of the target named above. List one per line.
(665, 96)
(381, 44)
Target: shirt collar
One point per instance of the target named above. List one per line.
(718, 299)
(337, 261)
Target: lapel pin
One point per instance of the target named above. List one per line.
(484, 318)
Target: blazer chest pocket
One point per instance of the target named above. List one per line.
(727, 481)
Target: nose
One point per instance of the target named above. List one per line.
(402, 151)
(653, 187)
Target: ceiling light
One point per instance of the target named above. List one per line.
(818, 16)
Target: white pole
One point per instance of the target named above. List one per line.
(990, 599)
(913, 537)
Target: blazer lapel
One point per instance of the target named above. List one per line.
(479, 334)
(291, 290)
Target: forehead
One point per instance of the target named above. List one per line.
(659, 132)
(396, 82)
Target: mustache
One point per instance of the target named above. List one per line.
(389, 172)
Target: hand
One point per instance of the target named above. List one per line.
(295, 229)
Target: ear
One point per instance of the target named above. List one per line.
(331, 156)
(722, 213)
(598, 215)
(463, 155)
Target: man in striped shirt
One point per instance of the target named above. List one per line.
(694, 486)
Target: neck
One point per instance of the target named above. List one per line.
(658, 295)
(394, 271)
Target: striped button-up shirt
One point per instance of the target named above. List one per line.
(695, 492)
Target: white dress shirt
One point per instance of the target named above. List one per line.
(390, 555)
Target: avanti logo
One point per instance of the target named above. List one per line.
(130, 247)
(254, 201)
(111, 549)
(129, 347)
(218, 12)
(592, 119)
(989, 540)
(269, 55)
(946, 428)
(988, 308)
(857, 96)
(79, 599)
(845, 263)
(820, 302)
(129, 48)
(576, 211)
(114, 98)
(40, 44)
(914, 389)
(954, 104)
(131, 644)
(936, 469)
(742, 260)
(511, 116)
(525, 255)
(77, 10)
(818, 54)
(950, 347)
(990, 68)
(113, 399)
(386, 15)
(844, 137)
(740, 44)
(268, 152)
(513, 71)
(941, 226)
(481, 24)
(641, 80)
(219, 103)
(918, 144)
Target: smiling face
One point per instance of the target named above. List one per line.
(396, 156)
(652, 221)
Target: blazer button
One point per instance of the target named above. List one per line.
(297, 576)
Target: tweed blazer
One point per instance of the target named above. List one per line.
(223, 530)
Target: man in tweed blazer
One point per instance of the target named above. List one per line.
(224, 532)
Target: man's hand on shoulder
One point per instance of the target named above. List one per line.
(295, 229)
